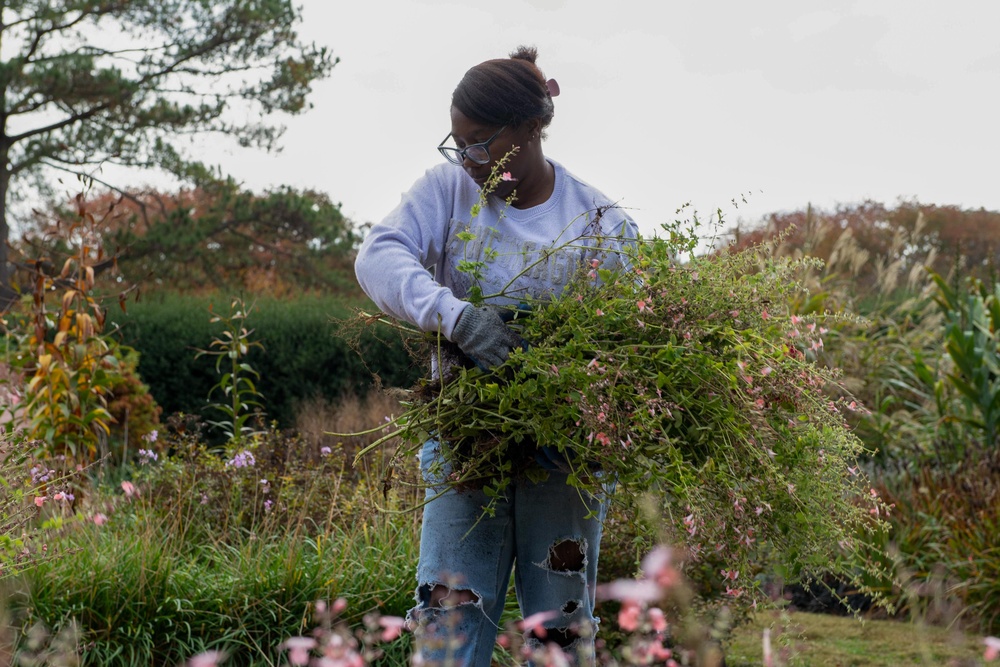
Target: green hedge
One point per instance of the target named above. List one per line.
(303, 355)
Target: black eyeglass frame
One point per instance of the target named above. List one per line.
(458, 155)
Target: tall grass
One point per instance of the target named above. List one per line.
(199, 556)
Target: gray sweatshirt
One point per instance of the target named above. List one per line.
(408, 263)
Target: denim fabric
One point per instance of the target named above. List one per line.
(463, 549)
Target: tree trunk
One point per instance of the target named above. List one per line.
(8, 295)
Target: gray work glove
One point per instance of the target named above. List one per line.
(483, 335)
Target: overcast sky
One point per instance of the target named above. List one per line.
(665, 102)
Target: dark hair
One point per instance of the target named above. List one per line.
(505, 91)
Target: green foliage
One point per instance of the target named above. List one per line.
(946, 530)
(686, 381)
(221, 237)
(302, 359)
(62, 351)
(135, 415)
(972, 338)
(35, 501)
(89, 82)
(240, 398)
(202, 555)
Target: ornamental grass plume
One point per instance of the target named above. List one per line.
(684, 381)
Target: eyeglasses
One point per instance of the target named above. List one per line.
(478, 153)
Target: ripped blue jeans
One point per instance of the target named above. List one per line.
(466, 557)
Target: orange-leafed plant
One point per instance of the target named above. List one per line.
(60, 347)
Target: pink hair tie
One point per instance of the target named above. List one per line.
(553, 87)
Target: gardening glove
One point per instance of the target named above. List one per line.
(483, 335)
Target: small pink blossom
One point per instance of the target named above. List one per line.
(594, 263)
(764, 315)
(658, 621)
(603, 439)
(40, 500)
(796, 319)
(507, 177)
(599, 312)
(207, 659)
(129, 489)
(642, 590)
(628, 616)
(100, 519)
(641, 303)
(535, 622)
(392, 627)
(657, 566)
(767, 370)
(992, 651)
(298, 649)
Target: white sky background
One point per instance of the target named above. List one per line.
(665, 102)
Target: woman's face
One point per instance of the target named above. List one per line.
(465, 132)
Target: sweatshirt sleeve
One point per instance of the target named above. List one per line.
(394, 261)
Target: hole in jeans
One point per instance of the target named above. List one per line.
(562, 637)
(442, 596)
(567, 556)
(570, 607)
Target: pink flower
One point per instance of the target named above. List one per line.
(767, 370)
(628, 616)
(207, 659)
(392, 626)
(39, 500)
(298, 649)
(642, 590)
(764, 315)
(507, 177)
(658, 621)
(796, 319)
(599, 312)
(100, 519)
(129, 489)
(642, 305)
(534, 623)
(658, 566)
(594, 263)
(992, 651)
(603, 439)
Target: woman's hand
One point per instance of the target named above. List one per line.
(483, 335)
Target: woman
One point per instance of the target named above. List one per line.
(536, 226)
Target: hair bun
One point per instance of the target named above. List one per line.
(528, 53)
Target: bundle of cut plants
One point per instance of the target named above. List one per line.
(683, 380)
